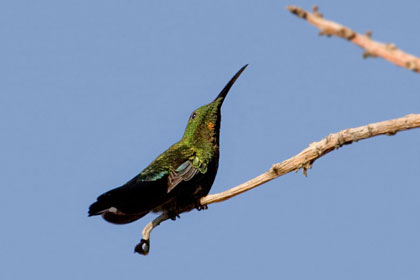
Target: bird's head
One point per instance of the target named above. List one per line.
(204, 123)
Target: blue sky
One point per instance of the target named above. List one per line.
(92, 91)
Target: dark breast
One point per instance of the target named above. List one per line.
(185, 196)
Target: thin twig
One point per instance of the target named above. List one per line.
(304, 160)
(372, 48)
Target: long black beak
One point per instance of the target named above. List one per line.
(226, 89)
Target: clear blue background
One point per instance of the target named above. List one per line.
(92, 91)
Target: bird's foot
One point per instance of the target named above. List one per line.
(200, 207)
(173, 216)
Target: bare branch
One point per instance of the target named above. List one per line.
(304, 160)
(372, 48)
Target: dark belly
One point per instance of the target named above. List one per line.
(187, 194)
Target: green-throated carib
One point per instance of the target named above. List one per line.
(176, 180)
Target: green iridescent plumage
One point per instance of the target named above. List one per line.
(176, 180)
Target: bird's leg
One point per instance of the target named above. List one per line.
(144, 246)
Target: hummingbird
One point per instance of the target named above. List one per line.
(176, 180)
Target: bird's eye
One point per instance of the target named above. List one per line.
(193, 115)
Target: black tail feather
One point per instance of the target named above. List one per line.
(97, 208)
(119, 218)
(129, 202)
